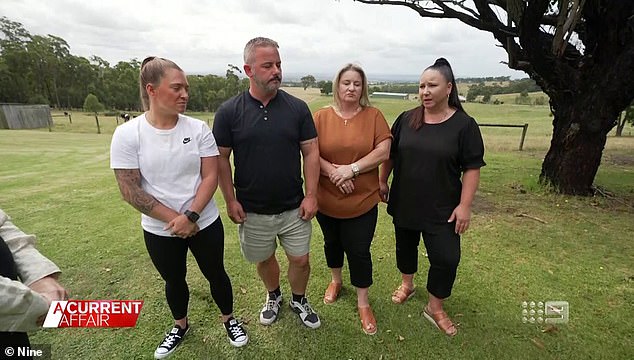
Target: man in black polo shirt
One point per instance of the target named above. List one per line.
(267, 129)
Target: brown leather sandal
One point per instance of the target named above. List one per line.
(402, 294)
(332, 292)
(368, 322)
(442, 321)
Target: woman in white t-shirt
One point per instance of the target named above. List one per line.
(166, 166)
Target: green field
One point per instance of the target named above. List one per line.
(525, 244)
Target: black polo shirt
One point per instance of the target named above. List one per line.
(266, 149)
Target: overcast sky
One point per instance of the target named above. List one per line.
(315, 36)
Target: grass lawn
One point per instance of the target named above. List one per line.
(525, 244)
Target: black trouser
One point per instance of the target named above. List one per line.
(8, 270)
(352, 237)
(443, 251)
(169, 255)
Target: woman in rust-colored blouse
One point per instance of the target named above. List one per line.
(354, 139)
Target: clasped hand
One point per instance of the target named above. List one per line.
(342, 177)
(181, 226)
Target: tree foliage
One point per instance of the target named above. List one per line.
(580, 53)
(325, 87)
(92, 104)
(41, 69)
(308, 81)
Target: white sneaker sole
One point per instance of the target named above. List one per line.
(239, 343)
(164, 355)
(307, 324)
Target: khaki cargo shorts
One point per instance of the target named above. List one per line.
(259, 233)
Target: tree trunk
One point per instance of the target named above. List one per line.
(575, 152)
(56, 93)
(620, 124)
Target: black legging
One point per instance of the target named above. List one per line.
(8, 269)
(443, 251)
(352, 237)
(169, 255)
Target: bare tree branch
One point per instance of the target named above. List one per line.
(440, 9)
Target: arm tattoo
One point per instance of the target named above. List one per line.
(129, 181)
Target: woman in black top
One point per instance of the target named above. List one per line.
(436, 157)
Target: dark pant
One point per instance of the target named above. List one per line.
(443, 251)
(352, 237)
(8, 270)
(169, 255)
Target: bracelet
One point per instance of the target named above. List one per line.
(355, 169)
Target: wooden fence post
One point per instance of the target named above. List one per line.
(98, 128)
(523, 136)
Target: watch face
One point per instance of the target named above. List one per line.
(192, 216)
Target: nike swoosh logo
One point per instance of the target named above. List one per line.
(186, 140)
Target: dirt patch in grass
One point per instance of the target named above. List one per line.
(481, 205)
(619, 159)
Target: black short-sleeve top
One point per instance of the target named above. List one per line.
(428, 165)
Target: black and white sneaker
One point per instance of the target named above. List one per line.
(305, 313)
(171, 342)
(235, 332)
(270, 310)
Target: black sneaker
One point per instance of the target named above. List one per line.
(235, 332)
(305, 313)
(270, 310)
(171, 342)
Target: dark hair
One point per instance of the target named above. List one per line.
(152, 70)
(441, 65)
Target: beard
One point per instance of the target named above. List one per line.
(268, 85)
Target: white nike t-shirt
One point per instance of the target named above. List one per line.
(169, 162)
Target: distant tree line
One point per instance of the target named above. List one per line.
(411, 88)
(503, 86)
(484, 79)
(37, 69)
(511, 87)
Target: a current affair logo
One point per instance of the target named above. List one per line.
(93, 313)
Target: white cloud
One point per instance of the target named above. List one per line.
(315, 36)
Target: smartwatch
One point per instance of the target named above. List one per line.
(192, 215)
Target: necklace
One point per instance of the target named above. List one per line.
(346, 118)
(445, 115)
(149, 120)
